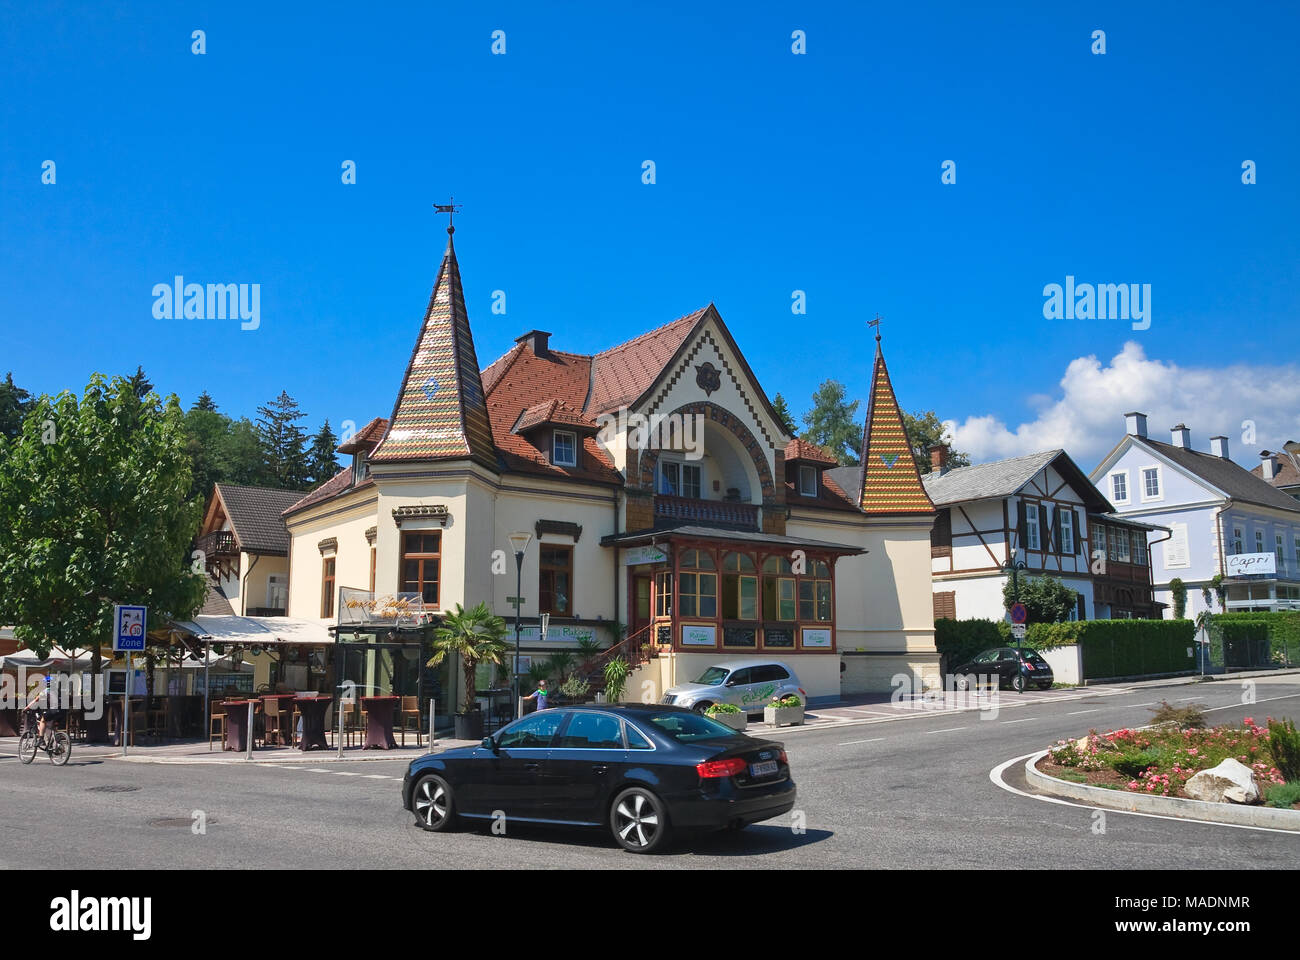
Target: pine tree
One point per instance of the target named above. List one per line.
(321, 464)
(783, 414)
(14, 404)
(831, 425)
(140, 383)
(283, 442)
(205, 402)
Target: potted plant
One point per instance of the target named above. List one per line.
(616, 673)
(783, 710)
(575, 688)
(729, 715)
(476, 636)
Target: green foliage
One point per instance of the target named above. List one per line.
(1283, 632)
(1191, 716)
(95, 510)
(616, 674)
(789, 700)
(721, 708)
(1283, 795)
(575, 687)
(321, 464)
(563, 662)
(1239, 641)
(588, 650)
(1046, 599)
(539, 671)
(831, 424)
(925, 429)
(783, 415)
(1132, 763)
(960, 640)
(1179, 591)
(1284, 744)
(476, 636)
(1121, 648)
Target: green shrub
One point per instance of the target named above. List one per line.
(1191, 716)
(789, 700)
(1283, 633)
(616, 673)
(1284, 744)
(722, 708)
(1284, 795)
(1128, 648)
(575, 687)
(1178, 590)
(1133, 763)
(960, 640)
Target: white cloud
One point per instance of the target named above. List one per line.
(1086, 417)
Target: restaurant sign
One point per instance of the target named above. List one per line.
(364, 608)
(1244, 564)
(560, 633)
(635, 556)
(816, 637)
(699, 635)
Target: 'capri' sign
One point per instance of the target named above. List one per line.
(1243, 564)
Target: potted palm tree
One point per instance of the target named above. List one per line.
(476, 636)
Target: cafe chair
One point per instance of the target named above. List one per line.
(217, 720)
(410, 707)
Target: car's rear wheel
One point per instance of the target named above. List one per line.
(702, 706)
(961, 682)
(1018, 683)
(638, 820)
(433, 803)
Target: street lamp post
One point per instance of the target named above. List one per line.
(519, 543)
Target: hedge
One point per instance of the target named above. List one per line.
(960, 640)
(1121, 648)
(1283, 633)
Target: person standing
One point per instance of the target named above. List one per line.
(540, 695)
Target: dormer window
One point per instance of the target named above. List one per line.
(807, 481)
(358, 467)
(564, 449)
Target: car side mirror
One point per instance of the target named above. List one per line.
(489, 744)
(730, 683)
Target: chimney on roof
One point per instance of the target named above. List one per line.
(938, 458)
(537, 339)
(1219, 447)
(1182, 437)
(1136, 424)
(1268, 464)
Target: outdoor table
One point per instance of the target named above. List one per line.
(236, 724)
(286, 712)
(8, 723)
(379, 722)
(313, 710)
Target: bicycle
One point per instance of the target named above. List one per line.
(56, 743)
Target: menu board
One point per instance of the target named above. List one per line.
(740, 637)
(664, 634)
(778, 637)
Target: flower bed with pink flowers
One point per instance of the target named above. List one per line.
(1160, 760)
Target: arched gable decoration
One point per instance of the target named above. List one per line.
(649, 459)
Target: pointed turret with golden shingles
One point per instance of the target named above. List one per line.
(440, 412)
(891, 483)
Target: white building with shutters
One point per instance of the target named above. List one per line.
(1041, 513)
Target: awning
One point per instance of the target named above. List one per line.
(722, 535)
(258, 631)
(59, 659)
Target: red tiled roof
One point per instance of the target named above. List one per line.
(366, 438)
(808, 452)
(621, 374)
(553, 411)
(829, 495)
(335, 486)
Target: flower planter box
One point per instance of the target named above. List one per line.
(780, 716)
(736, 721)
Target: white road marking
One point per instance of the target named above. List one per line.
(945, 730)
(1021, 720)
(851, 742)
(376, 776)
(1077, 712)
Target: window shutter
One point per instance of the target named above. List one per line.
(945, 605)
(1043, 532)
(1056, 530)
(1078, 534)
(1020, 524)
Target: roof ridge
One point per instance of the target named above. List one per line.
(659, 329)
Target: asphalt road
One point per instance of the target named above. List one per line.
(913, 793)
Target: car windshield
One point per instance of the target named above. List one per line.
(713, 676)
(687, 727)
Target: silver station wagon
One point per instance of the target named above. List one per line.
(748, 684)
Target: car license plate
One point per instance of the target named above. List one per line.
(765, 769)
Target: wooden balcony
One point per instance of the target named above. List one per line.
(220, 543)
(709, 513)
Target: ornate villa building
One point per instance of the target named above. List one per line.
(716, 537)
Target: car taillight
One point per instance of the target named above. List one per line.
(802, 693)
(784, 759)
(1028, 665)
(712, 769)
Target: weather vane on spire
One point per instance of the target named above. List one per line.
(450, 208)
(875, 323)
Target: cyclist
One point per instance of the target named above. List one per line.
(39, 704)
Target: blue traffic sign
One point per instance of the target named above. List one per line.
(1018, 613)
(128, 627)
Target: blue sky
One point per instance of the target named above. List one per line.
(775, 173)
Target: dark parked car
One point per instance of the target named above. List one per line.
(1016, 667)
(637, 770)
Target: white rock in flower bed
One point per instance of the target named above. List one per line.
(1231, 782)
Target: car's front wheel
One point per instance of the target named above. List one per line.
(961, 682)
(702, 706)
(638, 820)
(433, 804)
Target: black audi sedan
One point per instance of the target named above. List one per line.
(640, 771)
